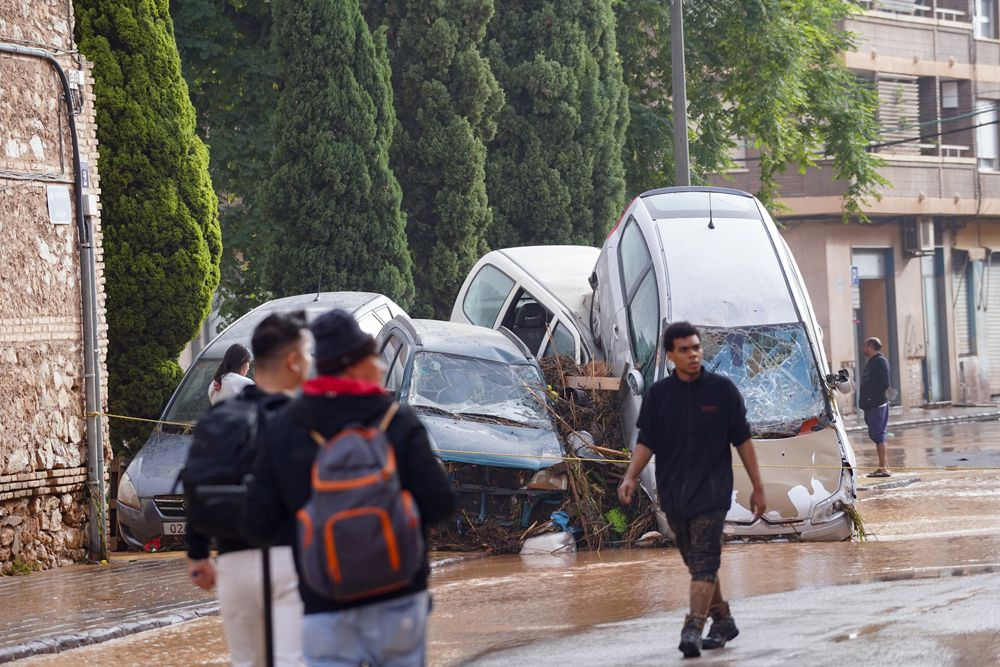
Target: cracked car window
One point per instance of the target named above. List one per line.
(466, 385)
(773, 367)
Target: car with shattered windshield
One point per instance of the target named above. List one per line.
(148, 505)
(714, 257)
(481, 396)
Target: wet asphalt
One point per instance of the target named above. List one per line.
(921, 590)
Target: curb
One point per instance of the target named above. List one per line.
(920, 421)
(894, 484)
(71, 640)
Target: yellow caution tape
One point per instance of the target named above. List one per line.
(604, 460)
(138, 419)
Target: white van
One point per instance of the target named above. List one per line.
(713, 257)
(540, 293)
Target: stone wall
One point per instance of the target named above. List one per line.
(43, 446)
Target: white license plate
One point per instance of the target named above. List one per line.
(174, 527)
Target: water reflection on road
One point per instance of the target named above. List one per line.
(945, 521)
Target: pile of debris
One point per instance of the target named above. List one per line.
(583, 401)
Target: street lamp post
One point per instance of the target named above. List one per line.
(682, 169)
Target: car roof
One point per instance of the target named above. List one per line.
(468, 340)
(695, 188)
(241, 330)
(562, 269)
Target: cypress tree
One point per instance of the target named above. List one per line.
(159, 212)
(226, 59)
(332, 200)
(554, 172)
(447, 101)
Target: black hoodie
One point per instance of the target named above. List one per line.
(281, 484)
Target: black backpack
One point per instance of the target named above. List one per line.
(221, 454)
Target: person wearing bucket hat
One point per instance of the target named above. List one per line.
(387, 629)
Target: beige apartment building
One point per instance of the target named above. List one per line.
(924, 275)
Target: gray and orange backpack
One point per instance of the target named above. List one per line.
(359, 534)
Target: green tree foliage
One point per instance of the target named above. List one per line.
(770, 72)
(225, 48)
(554, 171)
(159, 213)
(447, 101)
(332, 203)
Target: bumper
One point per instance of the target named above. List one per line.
(837, 529)
(138, 526)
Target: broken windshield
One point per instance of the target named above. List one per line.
(773, 367)
(477, 388)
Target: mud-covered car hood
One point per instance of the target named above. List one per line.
(465, 441)
(154, 470)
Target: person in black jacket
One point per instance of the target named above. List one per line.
(390, 629)
(281, 346)
(873, 400)
(689, 420)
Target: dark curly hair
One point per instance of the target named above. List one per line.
(678, 330)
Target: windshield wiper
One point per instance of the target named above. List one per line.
(432, 409)
(495, 419)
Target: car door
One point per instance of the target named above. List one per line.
(636, 326)
(529, 319)
(394, 352)
(563, 340)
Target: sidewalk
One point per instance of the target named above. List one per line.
(56, 610)
(921, 416)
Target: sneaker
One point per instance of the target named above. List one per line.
(690, 644)
(723, 630)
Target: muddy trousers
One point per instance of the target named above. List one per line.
(699, 539)
(241, 604)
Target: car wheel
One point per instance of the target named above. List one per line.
(595, 318)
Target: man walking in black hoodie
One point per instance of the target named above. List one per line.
(389, 629)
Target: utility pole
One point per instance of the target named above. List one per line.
(682, 168)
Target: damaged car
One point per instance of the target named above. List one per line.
(713, 257)
(148, 506)
(481, 396)
(539, 293)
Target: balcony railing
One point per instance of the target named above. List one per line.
(914, 8)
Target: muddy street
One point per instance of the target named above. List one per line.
(933, 532)
(926, 523)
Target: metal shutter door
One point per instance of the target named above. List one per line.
(960, 282)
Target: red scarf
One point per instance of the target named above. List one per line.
(330, 386)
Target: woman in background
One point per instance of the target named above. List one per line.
(231, 375)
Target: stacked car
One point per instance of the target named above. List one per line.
(711, 256)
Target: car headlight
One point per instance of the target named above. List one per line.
(127, 495)
(828, 509)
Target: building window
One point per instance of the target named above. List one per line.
(987, 135)
(985, 20)
(949, 94)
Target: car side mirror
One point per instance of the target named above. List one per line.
(635, 382)
(841, 381)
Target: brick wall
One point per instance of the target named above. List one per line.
(43, 448)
